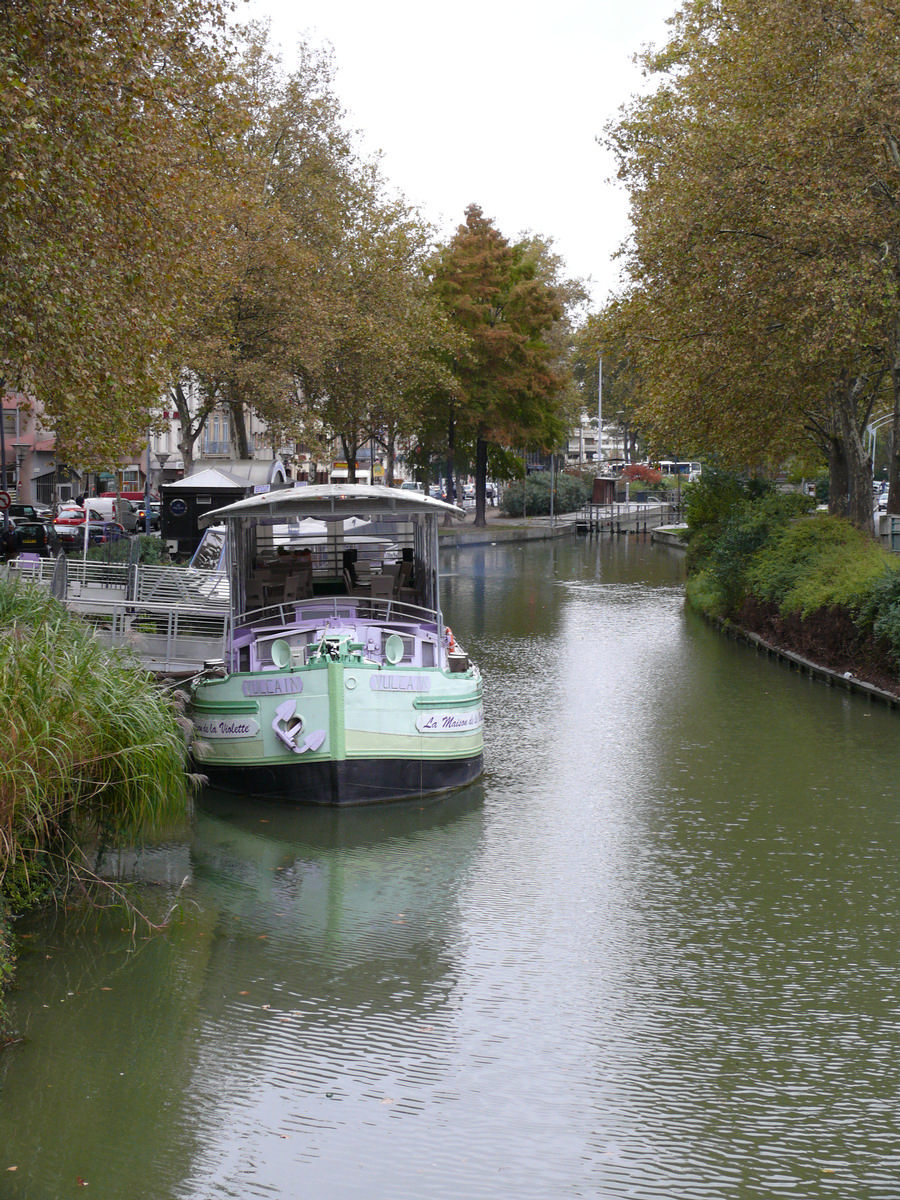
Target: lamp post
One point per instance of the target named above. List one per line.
(21, 448)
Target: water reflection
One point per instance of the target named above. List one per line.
(299, 930)
(653, 955)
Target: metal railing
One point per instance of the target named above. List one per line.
(172, 618)
(626, 517)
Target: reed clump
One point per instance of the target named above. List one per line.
(90, 748)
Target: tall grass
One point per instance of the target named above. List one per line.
(90, 748)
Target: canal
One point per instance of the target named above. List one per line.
(653, 954)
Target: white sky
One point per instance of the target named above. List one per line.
(499, 104)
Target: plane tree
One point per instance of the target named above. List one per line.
(380, 354)
(108, 106)
(267, 308)
(763, 269)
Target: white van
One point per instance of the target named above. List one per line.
(105, 507)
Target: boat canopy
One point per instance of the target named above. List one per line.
(332, 502)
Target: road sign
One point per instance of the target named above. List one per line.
(5, 501)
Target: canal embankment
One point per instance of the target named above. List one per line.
(862, 677)
(499, 528)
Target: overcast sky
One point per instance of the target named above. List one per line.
(499, 104)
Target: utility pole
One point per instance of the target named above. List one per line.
(599, 410)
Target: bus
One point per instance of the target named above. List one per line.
(688, 471)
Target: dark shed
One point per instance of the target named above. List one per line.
(187, 499)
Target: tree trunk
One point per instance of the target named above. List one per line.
(837, 478)
(480, 481)
(351, 446)
(189, 433)
(239, 438)
(451, 445)
(858, 507)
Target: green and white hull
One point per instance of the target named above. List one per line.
(340, 730)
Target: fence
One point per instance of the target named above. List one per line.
(626, 517)
(172, 618)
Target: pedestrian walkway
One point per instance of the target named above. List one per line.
(501, 528)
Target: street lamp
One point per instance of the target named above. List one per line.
(21, 449)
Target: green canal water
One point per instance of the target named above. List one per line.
(654, 954)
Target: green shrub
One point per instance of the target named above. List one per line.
(879, 610)
(709, 500)
(742, 534)
(569, 494)
(819, 562)
(703, 593)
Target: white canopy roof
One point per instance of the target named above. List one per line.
(332, 502)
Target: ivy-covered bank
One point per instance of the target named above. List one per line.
(804, 581)
(91, 753)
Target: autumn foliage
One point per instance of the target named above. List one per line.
(641, 473)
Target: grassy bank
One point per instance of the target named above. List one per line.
(91, 753)
(801, 579)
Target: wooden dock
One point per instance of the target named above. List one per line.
(626, 517)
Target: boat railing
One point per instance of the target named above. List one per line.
(303, 624)
(338, 608)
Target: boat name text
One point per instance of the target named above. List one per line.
(450, 722)
(273, 685)
(226, 727)
(382, 682)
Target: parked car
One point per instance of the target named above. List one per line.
(29, 511)
(70, 524)
(141, 517)
(112, 508)
(33, 537)
(70, 514)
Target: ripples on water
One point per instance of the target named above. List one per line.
(653, 955)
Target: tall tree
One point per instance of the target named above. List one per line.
(509, 374)
(268, 308)
(107, 106)
(764, 265)
(379, 356)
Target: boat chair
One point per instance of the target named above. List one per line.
(402, 577)
(382, 588)
(351, 588)
(304, 581)
(403, 589)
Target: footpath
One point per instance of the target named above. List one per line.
(500, 528)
